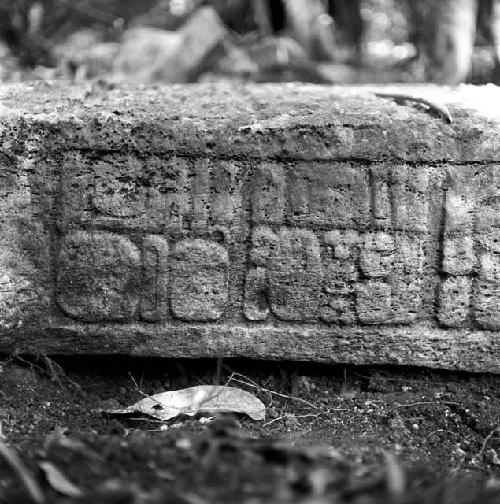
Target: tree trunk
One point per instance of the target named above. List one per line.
(452, 41)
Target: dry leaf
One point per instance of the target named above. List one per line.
(195, 400)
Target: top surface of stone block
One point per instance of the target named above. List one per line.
(261, 121)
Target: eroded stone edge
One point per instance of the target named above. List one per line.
(419, 345)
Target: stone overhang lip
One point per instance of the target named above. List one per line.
(292, 122)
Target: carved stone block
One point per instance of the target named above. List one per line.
(98, 276)
(460, 200)
(295, 275)
(199, 287)
(381, 196)
(328, 193)
(487, 304)
(458, 255)
(256, 295)
(373, 302)
(340, 273)
(410, 198)
(454, 301)
(154, 299)
(377, 255)
(268, 222)
(268, 194)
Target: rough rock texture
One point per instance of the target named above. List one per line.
(283, 222)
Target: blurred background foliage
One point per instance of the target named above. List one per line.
(337, 41)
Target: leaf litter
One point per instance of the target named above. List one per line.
(199, 400)
(228, 461)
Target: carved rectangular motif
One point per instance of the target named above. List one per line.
(153, 239)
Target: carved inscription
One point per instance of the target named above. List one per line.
(268, 194)
(369, 271)
(334, 243)
(98, 276)
(340, 275)
(199, 289)
(155, 268)
(139, 260)
(287, 275)
(487, 227)
(470, 292)
(325, 195)
(104, 277)
(152, 195)
(458, 257)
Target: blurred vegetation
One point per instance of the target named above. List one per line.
(336, 41)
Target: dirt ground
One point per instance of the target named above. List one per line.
(331, 434)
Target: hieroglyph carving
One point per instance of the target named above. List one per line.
(360, 258)
(145, 239)
(470, 292)
(332, 242)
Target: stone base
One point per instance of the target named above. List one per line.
(279, 222)
(418, 345)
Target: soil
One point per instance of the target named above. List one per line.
(331, 434)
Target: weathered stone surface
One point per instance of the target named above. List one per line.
(97, 277)
(199, 280)
(266, 222)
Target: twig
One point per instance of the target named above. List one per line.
(440, 430)
(248, 380)
(22, 473)
(144, 393)
(275, 420)
(285, 396)
(425, 403)
(52, 370)
(486, 440)
(56, 371)
(316, 415)
(33, 366)
(146, 419)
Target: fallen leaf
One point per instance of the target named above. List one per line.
(197, 400)
(58, 481)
